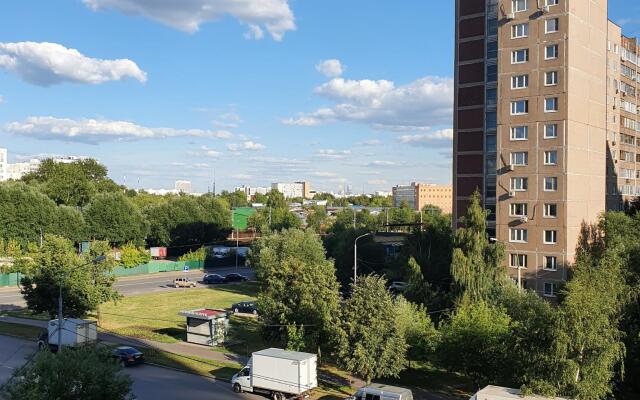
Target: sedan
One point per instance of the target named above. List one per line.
(127, 355)
(213, 278)
(248, 307)
(235, 278)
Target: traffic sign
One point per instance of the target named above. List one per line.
(186, 268)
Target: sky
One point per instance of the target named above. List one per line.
(333, 92)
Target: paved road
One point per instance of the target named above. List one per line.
(10, 297)
(13, 354)
(154, 383)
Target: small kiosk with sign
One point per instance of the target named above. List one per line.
(206, 326)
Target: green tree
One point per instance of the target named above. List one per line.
(23, 212)
(69, 223)
(298, 287)
(85, 285)
(476, 265)
(194, 255)
(417, 328)
(113, 217)
(317, 218)
(275, 199)
(475, 342)
(132, 255)
(371, 343)
(86, 373)
(235, 199)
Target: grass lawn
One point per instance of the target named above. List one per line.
(155, 316)
(426, 377)
(25, 313)
(25, 331)
(191, 364)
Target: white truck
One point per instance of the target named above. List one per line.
(502, 393)
(278, 373)
(75, 332)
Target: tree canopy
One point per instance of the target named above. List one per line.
(114, 218)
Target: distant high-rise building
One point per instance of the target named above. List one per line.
(419, 195)
(545, 125)
(183, 187)
(293, 190)
(3, 164)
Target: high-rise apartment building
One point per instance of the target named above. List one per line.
(293, 190)
(183, 187)
(420, 195)
(3, 164)
(541, 107)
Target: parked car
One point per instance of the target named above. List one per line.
(127, 355)
(380, 391)
(212, 278)
(235, 278)
(248, 307)
(398, 287)
(183, 282)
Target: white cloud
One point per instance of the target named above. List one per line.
(381, 104)
(242, 177)
(377, 182)
(372, 142)
(47, 64)
(207, 152)
(439, 138)
(100, 130)
(332, 154)
(382, 163)
(248, 145)
(330, 68)
(324, 174)
(254, 32)
(274, 16)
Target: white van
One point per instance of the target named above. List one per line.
(378, 391)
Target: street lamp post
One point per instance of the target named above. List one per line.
(518, 268)
(355, 256)
(94, 261)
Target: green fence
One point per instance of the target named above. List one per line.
(10, 279)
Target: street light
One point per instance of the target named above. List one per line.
(518, 267)
(94, 261)
(355, 256)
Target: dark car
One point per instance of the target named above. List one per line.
(235, 278)
(213, 278)
(248, 307)
(127, 355)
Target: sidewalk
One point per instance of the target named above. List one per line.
(182, 348)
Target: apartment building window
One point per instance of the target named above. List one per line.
(519, 81)
(551, 52)
(519, 158)
(519, 184)
(627, 173)
(492, 73)
(492, 96)
(551, 78)
(491, 142)
(518, 209)
(627, 71)
(550, 184)
(550, 237)
(520, 133)
(551, 104)
(550, 289)
(552, 25)
(551, 263)
(519, 31)
(627, 139)
(520, 56)
(551, 157)
(519, 107)
(551, 210)
(629, 107)
(518, 260)
(627, 156)
(518, 235)
(551, 131)
(519, 5)
(492, 49)
(551, 2)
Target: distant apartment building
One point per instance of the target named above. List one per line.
(419, 195)
(251, 192)
(183, 187)
(293, 190)
(17, 170)
(545, 125)
(3, 164)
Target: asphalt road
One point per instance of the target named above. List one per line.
(10, 298)
(155, 383)
(13, 354)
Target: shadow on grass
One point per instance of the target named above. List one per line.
(246, 288)
(178, 333)
(430, 382)
(191, 364)
(244, 336)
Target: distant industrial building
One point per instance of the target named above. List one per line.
(183, 187)
(419, 195)
(293, 190)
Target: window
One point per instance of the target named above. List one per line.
(551, 104)
(492, 96)
(551, 78)
(552, 25)
(551, 52)
(370, 396)
(551, 210)
(551, 3)
(519, 158)
(520, 133)
(551, 157)
(550, 184)
(551, 131)
(491, 142)
(518, 209)
(519, 107)
(519, 56)
(518, 5)
(550, 289)
(519, 31)
(550, 237)
(519, 81)
(518, 260)
(518, 235)
(551, 263)
(519, 184)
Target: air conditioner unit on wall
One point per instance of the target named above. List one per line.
(546, 9)
(512, 193)
(510, 16)
(510, 167)
(524, 220)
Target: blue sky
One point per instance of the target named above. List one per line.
(239, 87)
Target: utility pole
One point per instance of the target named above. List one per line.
(355, 257)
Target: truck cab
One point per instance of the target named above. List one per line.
(242, 380)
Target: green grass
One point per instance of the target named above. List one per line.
(425, 376)
(155, 316)
(25, 331)
(191, 364)
(25, 313)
